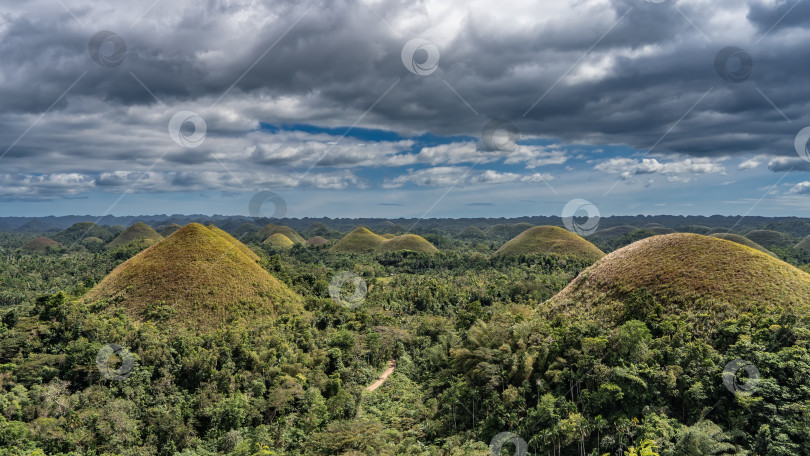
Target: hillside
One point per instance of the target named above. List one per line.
(684, 270)
(770, 238)
(742, 240)
(550, 240)
(472, 232)
(40, 245)
(279, 241)
(359, 240)
(204, 277)
(137, 232)
(410, 242)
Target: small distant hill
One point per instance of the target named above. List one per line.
(684, 272)
(137, 232)
(472, 232)
(804, 244)
(40, 245)
(388, 235)
(388, 226)
(271, 229)
(550, 240)
(410, 242)
(359, 240)
(245, 229)
(503, 231)
(279, 241)
(34, 226)
(719, 230)
(167, 230)
(78, 231)
(615, 232)
(93, 244)
(320, 229)
(770, 238)
(197, 278)
(697, 229)
(742, 240)
(315, 241)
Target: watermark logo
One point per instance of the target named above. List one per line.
(591, 223)
(107, 49)
(183, 138)
(500, 135)
(420, 57)
(730, 377)
(800, 143)
(104, 361)
(733, 64)
(340, 296)
(504, 438)
(255, 206)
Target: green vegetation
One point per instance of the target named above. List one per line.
(239, 349)
(79, 231)
(137, 232)
(550, 240)
(167, 230)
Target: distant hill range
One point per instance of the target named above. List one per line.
(502, 228)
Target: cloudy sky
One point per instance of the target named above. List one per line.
(392, 108)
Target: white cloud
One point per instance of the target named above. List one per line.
(751, 163)
(675, 171)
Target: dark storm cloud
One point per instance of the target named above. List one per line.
(625, 72)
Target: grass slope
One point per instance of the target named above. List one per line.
(686, 272)
(361, 239)
(411, 242)
(615, 232)
(137, 232)
(742, 240)
(200, 276)
(804, 244)
(550, 240)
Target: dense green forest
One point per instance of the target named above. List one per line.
(483, 366)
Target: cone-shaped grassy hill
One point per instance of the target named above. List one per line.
(742, 240)
(410, 242)
(40, 245)
(316, 241)
(361, 239)
(137, 232)
(770, 238)
(203, 276)
(167, 230)
(271, 229)
(388, 235)
(686, 273)
(279, 241)
(551, 240)
(472, 232)
(81, 230)
(615, 231)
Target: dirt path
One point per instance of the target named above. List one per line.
(392, 364)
